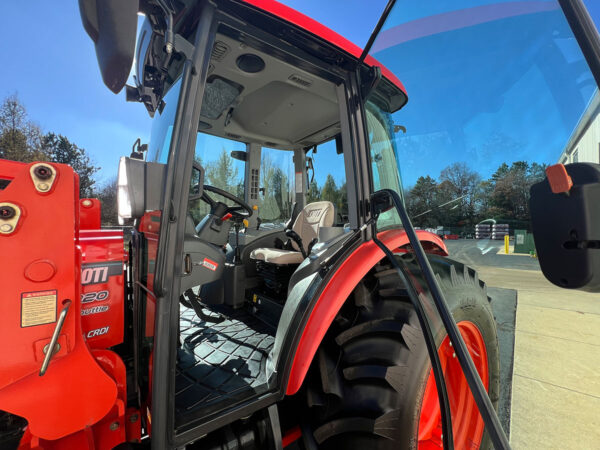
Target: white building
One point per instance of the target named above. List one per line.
(584, 143)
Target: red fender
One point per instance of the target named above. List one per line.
(339, 287)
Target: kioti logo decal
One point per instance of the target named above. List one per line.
(90, 297)
(94, 275)
(99, 273)
(97, 332)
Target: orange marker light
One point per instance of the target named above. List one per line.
(559, 179)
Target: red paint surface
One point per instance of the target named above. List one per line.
(467, 424)
(339, 287)
(89, 214)
(291, 436)
(75, 392)
(312, 26)
(103, 247)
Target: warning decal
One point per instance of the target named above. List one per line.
(210, 264)
(38, 308)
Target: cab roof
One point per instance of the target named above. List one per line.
(318, 29)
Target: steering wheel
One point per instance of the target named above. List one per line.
(239, 211)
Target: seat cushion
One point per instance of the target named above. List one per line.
(277, 256)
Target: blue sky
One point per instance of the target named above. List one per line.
(52, 67)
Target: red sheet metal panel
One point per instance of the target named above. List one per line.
(102, 290)
(39, 272)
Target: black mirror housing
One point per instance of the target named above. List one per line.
(112, 26)
(239, 155)
(566, 228)
(381, 201)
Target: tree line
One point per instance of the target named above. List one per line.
(460, 197)
(21, 139)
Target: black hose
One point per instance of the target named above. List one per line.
(438, 373)
(484, 405)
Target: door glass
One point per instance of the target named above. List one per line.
(222, 171)
(328, 179)
(498, 90)
(277, 186)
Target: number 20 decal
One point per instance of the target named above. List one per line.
(94, 296)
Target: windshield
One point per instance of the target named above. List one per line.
(499, 90)
(384, 163)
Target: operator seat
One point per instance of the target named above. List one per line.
(307, 224)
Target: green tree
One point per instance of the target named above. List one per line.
(329, 191)
(421, 199)
(508, 190)
(20, 138)
(222, 173)
(108, 199)
(280, 191)
(314, 193)
(459, 182)
(57, 148)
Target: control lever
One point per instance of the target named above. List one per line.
(50, 348)
(297, 239)
(311, 245)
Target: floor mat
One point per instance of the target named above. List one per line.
(219, 361)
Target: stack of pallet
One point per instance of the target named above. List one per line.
(499, 230)
(483, 231)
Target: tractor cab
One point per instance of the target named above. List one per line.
(274, 292)
(273, 192)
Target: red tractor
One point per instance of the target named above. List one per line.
(247, 313)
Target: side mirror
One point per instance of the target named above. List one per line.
(381, 201)
(112, 25)
(239, 155)
(565, 217)
(140, 186)
(197, 183)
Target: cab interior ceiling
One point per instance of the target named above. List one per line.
(265, 100)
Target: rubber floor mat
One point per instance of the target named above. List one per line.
(218, 362)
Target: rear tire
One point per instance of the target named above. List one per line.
(367, 382)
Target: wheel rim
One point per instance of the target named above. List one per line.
(467, 425)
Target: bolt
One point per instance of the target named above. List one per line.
(47, 346)
(114, 426)
(7, 212)
(133, 418)
(43, 172)
(454, 355)
(43, 186)
(86, 203)
(6, 228)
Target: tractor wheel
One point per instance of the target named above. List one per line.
(371, 385)
(11, 430)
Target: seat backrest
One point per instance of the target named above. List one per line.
(310, 219)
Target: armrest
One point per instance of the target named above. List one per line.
(297, 239)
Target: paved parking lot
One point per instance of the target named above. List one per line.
(556, 378)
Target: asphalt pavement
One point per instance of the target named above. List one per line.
(484, 252)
